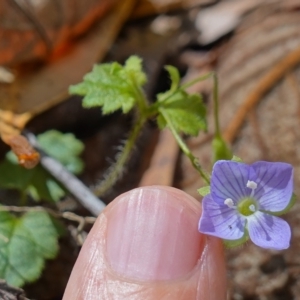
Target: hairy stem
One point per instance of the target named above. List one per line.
(116, 169)
(186, 149)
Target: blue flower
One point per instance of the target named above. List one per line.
(242, 200)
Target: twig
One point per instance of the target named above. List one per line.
(65, 215)
(263, 86)
(81, 192)
(82, 221)
(8, 292)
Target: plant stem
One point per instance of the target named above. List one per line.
(140, 98)
(186, 149)
(216, 105)
(219, 146)
(141, 101)
(198, 79)
(116, 169)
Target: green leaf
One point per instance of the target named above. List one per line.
(36, 182)
(43, 186)
(112, 86)
(13, 176)
(55, 190)
(185, 112)
(64, 147)
(220, 149)
(133, 68)
(25, 243)
(203, 191)
(234, 243)
(175, 78)
(236, 159)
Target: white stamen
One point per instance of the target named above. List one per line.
(229, 202)
(252, 207)
(252, 185)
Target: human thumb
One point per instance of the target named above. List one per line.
(145, 245)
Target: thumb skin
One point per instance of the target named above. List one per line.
(145, 245)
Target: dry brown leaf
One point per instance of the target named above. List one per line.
(151, 7)
(43, 30)
(220, 19)
(41, 88)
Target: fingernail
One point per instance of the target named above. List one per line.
(152, 235)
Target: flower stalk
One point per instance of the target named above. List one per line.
(185, 149)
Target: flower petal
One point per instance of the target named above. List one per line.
(229, 180)
(220, 220)
(268, 231)
(274, 185)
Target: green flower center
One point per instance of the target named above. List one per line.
(247, 206)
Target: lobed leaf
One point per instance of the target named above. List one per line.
(36, 182)
(133, 67)
(25, 243)
(112, 86)
(64, 147)
(186, 112)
